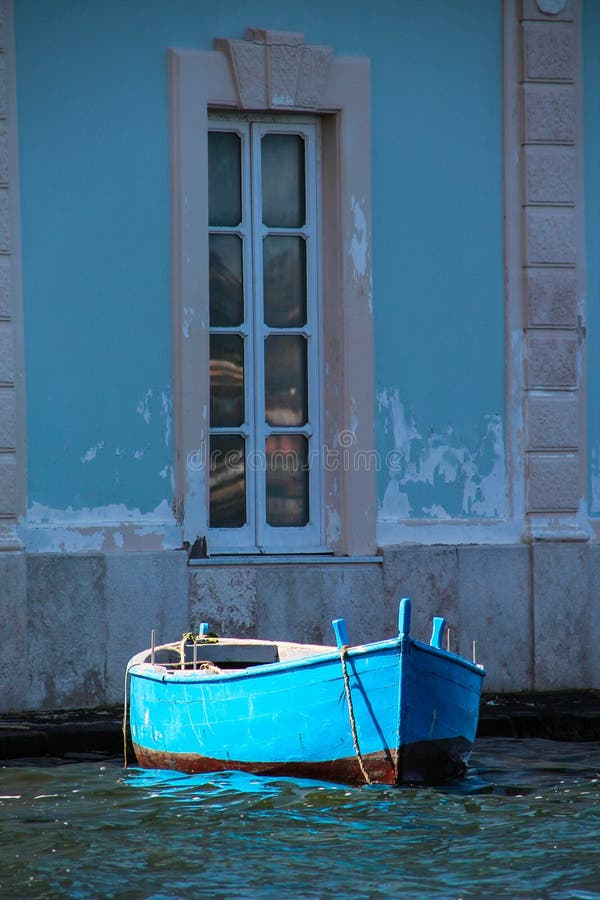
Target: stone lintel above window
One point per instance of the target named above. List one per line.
(277, 70)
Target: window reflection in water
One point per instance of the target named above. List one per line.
(287, 480)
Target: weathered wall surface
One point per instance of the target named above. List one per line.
(438, 279)
(298, 601)
(480, 384)
(12, 400)
(591, 119)
(94, 148)
(85, 615)
(70, 622)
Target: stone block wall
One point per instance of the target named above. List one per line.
(70, 622)
(530, 609)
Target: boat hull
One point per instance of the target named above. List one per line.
(423, 762)
(414, 707)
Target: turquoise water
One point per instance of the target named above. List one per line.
(524, 823)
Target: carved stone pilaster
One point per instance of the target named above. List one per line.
(12, 448)
(552, 420)
(551, 298)
(551, 202)
(276, 69)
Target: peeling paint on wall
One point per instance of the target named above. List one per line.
(334, 526)
(90, 454)
(358, 243)
(358, 249)
(47, 530)
(166, 411)
(106, 515)
(436, 512)
(188, 318)
(144, 406)
(437, 475)
(595, 479)
(395, 503)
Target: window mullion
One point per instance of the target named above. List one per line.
(313, 292)
(250, 376)
(258, 231)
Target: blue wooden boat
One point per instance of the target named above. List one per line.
(394, 711)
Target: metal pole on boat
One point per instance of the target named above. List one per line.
(474, 655)
(448, 640)
(152, 645)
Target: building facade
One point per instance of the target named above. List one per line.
(299, 313)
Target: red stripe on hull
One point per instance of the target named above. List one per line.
(420, 762)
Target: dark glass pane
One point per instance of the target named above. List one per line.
(226, 380)
(224, 178)
(283, 189)
(287, 480)
(227, 507)
(284, 281)
(226, 280)
(286, 400)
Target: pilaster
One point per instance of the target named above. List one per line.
(12, 418)
(546, 140)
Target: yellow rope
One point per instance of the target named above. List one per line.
(343, 655)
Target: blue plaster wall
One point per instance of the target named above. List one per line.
(591, 115)
(438, 252)
(94, 156)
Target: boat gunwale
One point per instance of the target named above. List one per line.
(448, 654)
(160, 673)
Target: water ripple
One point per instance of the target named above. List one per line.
(524, 823)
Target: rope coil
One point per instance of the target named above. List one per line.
(343, 655)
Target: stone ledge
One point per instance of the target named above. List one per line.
(555, 715)
(62, 735)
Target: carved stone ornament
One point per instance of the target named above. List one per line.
(551, 7)
(276, 69)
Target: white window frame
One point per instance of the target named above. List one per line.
(201, 81)
(257, 536)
